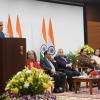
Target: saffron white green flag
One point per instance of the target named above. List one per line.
(50, 43)
(43, 44)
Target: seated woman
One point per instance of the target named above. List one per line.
(96, 58)
(84, 59)
(32, 60)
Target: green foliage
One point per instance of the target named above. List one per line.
(3, 97)
(72, 58)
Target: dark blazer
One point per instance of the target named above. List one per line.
(2, 35)
(61, 63)
(46, 66)
(59, 77)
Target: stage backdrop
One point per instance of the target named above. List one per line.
(66, 20)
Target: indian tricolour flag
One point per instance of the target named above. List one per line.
(43, 44)
(9, 27)
(50, 43)
(18, 27)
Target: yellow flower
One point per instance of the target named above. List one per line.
(22, 79)
(15, 90)
(50, 83)
(30, 79)
(13, 81)
(45, 86)
(41, 76)
(88, 48)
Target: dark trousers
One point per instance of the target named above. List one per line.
(59, 79)
(70, 73)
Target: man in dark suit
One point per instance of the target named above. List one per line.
(64, 63)
(1, 29)
(50, 65)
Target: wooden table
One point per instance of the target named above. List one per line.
(77, 80)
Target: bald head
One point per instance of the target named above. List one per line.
(1, 26)
(60, 52)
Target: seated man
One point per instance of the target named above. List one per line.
(64, 63)
(50, 65)
(1, 29)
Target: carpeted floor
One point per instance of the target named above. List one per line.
(83, 94)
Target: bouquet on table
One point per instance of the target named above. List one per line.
(93, 73)
(28, 82)
(87, 47)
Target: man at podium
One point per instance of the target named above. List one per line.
(1, 29)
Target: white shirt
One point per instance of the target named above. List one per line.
(52, 66)
(96, 58)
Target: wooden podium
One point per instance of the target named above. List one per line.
(12, 58)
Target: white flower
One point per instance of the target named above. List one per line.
(26, 85)
(28, 72)
(14, 98)
(18, 73)
(7, 87)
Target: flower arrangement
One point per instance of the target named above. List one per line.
(29, 82)
(93, 73)
(87, 47)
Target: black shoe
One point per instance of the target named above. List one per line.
(61, 89)
(58, 90)
(94, 84)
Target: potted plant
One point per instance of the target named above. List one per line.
(73, 58)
